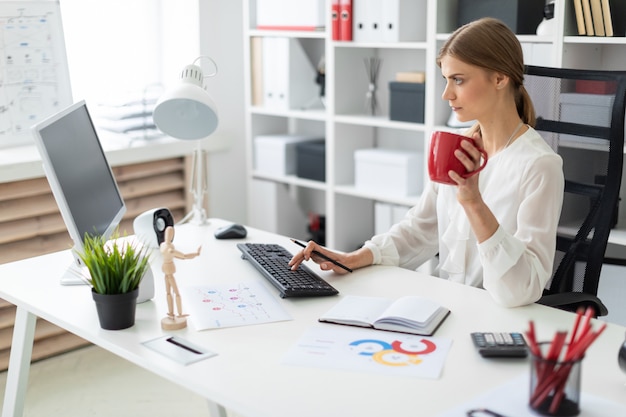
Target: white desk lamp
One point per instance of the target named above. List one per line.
(187, 112)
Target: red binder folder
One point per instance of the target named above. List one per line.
(336, 21)
(345, 26)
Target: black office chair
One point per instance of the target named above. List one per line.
(588, 132)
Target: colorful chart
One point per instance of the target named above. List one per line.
(396, 353)
(356, 349)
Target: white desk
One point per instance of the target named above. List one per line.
(247, 376)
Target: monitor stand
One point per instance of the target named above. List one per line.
(79, 275)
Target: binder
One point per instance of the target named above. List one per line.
(598, 20)
(614, 13)
(270, 87)
(288, 75)
(346, 19)
(256, 76)
(366, 24)
(580, 19)
(403, 20)
(335, 18)
(588, 19)
(608, 20)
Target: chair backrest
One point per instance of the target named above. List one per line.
(581, 114)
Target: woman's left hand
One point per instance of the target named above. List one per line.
(470, 157)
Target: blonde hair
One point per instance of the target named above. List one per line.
(488, 43)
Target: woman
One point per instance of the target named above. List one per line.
(497, 229)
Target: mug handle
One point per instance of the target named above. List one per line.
(480, 168)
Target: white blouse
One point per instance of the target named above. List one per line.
(523, 187)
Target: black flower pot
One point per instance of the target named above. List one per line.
(116, 311)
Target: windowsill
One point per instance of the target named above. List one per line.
(24, 162)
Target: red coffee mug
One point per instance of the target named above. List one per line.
(441, 158)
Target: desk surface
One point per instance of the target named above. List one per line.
(247, 376)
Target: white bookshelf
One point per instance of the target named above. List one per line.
(346, 126)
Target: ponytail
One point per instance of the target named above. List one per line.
(525, 107)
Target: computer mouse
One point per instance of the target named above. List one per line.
(232, 231)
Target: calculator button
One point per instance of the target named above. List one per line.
(508, 339)
(502, 344)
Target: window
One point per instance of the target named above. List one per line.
(117, 51)
(121, 47)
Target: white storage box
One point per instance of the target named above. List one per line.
(389, 172)
(587, 109)
(276, 154)
(290, 14)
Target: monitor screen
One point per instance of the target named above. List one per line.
(79, 174)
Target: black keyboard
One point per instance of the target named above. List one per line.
(272, 261)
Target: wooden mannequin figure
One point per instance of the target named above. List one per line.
(169, 252)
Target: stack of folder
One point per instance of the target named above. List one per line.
(283, 77)
(341, 12)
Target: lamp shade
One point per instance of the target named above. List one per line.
(186, 111)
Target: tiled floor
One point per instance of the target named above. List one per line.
(93, 382)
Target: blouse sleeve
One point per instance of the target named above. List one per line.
(517, 267)
(412, 241)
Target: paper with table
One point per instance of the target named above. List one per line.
(409, 314)
(229, 305)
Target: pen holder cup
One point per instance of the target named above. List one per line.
(554, 384)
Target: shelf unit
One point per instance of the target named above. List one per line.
(346, 126)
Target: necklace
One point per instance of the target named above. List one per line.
(508, 142)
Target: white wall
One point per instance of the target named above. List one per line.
(221, 38)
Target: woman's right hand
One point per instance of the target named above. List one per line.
(307, 253)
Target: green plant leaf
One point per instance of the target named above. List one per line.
(116, 266)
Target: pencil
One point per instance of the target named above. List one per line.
(321, 255)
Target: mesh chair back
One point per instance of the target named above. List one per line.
(581, 114)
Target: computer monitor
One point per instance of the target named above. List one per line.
(79, 174)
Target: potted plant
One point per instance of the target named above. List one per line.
(116, 268)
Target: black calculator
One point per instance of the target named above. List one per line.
(502, 345)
